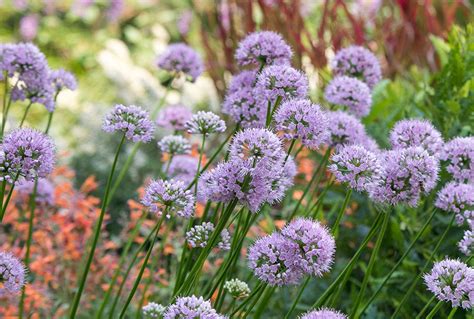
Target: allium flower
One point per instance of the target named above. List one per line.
(275, 259)
(408, 133)
(323, 313)
(351, 93)
(198, 235)
(181, 59)
(29, 26)
(459, 152)
(263, 48)
(245, 108)
(357, 62)
(174, 145)
(132, 120)
(354, 165)
(183, 168)
(452, 281)
(12, 274)
(62, 79)
(205, 123)
(301, 119)
(170, 197)
(26, 153)
(153, 310)
(466, 245)
(174, 117)
(345, 129)
(407, 174)
(191, 307)
(244, 80)
(281, 81)
(370, 144)
(224, 244)
(315, 243)
(459, 199)
(237, 288)
(281, 179)
(44, 191)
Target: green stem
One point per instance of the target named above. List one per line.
(97, 228)
(293, 141)
(453, 311)
(425, 308)
(335, 227)
(7, 110)
(9, 196)
(168, 165)
(271, 111)
(50, 120)
(261, 307)
(298, 297)
(435, 310)
(256, 291)
(201, 152)
(25, 114)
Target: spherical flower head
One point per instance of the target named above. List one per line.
(263, 48)
(345, 129)
(281, 178)
(12, 274)
(452, 281)
(357, 62)
(245, 108)
(350, 93)
(61, 79)
(275, 260)
(153, 310)
(281, 81)
(174, 117)
(407, 174)
(324, 313)
(198, 235)
(191, 307)
(205, 123)
(174, 145)
(170, 197)
(224, 243)
(408, 133)
(459, 152)
(357, 167)
(315, 242)
(183, 168)
(370, 144)
(237, 288)
(180, 59)
(44, 191)
(26, 153)
(131, 120)
(301, 119)
(244, 80)
(457, 198)
(466, 244)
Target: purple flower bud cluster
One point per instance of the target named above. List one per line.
(198, 235)
(466, 244)
(205, 123)
(408, 133)
(174, 145)
(26, 154)
(350, 93)
(183, 168)
(170, 197)
(44, 191)
(458, 199)
(174, 117)
(180, 59)
(459, 153)
(357, 62)
(246, 79)
(263, 48)
(345, 129)
(301, 119)
(324, 313)
(62, 79)
(452, 281)
(12, 274)
(132, 120)
(191, 307)
(357, 167)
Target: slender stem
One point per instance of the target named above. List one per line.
(9, 196)
(97, 228)
(298, 297)
(168, 165)
(50, 120)
(25, 114)
(335, 227)
(435, 310)
(271, 111)
(261, 307)
(453, 311)
(2, 194)
(7, 110)
(201, 152)
(256, 291)
(269, 114)
(425, 308)
(293, 141)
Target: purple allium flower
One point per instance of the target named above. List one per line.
(354, 165)
(275, 259)
(29, 27)
(12, 274)
(174, 145)
(370, 144)
(452, 281)
(44, 191)
(62, 79)
(132, 120)
(198, 235)
(153, 310)
(245, 108)
(224, 244)
(26, 153)
(184, 22)
(357, 62)
(263, 48)
(407, 174)
(183, 168)
(351, 93)
(345, 129)
(301, 119)
(315, 243)
(174, 117)
(169, 197)
(191, 307)
(205, 123)
(466, 244)
(408, 133)
(181, 59)
(459, 199)
(323, 313)
(281, 81)
(244, 80)
(459, 152)
(281, 179)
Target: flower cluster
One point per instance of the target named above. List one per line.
(44, 191)
(452, 281)
(183, 168)
(345, 129)
(243, 80)
(205, 123)
(323, 313)
(153, 310)
(466, 244)
(263, 48)
(169, 197)
(174, 117)
(224, 244)
(61, 79)
(174, 145)
(459, 152)
(237, 288)
(191, 307)
(181, 59)
(351, 93)
(132, 120)
(459, 199)
(12, 274)
(198, 235)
